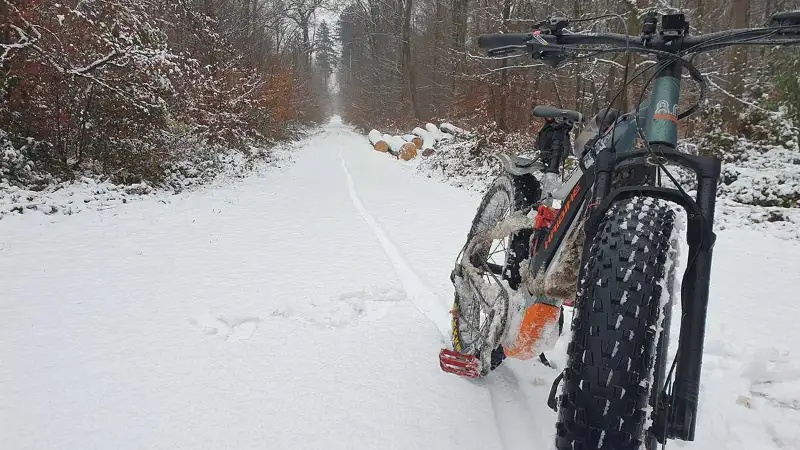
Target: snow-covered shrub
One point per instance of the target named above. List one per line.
(106, 88)
(198, 168)
(763, 168)
(18, 164)
(13, 163)
(469, 163)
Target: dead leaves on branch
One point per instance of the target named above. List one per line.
(117, 84)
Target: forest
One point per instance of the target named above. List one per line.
(416, 59)
(136, 90)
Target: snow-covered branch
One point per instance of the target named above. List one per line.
(114, 54)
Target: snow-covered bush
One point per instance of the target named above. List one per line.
(469, 163)
(18, 164)
(763, 168)
(13, 163)
(107, 88)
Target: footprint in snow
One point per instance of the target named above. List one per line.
(776, 380)
(367, 305)
(232, 329)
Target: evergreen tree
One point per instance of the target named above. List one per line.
(325, 52)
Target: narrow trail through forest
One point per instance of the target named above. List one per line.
(304, 308)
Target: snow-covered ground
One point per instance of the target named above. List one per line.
(89, 193)
(304, 308)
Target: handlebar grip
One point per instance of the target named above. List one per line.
(549, 111)
(786, 18)
(490, 41)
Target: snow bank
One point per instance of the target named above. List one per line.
(452, 163)
(468, 163)
(783, 223)
(763, 176)
(89, 192)
(759, 188)
(70, 197)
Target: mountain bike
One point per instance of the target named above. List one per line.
(606, 238)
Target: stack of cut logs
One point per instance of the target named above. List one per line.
(425, 139)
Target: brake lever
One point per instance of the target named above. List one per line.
(552, 25)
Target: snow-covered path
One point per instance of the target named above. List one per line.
(304, 309)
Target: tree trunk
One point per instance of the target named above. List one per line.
(611, 82)
(740, 11)
(503, 100)
(5, 38)
(5, 30)
(442, 101)
(576, 12)
(411, 81)
(459, 37)
(374, 14)
(634, 28)
(208, 9)
(306, 57)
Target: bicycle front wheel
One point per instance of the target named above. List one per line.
(616, 358)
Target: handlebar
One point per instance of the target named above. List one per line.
(505, 43)
(554, 42)
(544, 41)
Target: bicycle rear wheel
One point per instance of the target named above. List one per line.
(479, 309)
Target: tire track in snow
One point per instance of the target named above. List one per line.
(516, 423)
(513, 417)
(422, 297)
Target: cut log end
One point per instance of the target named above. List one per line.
(407, 152)
(428, 152)
(417, 141)
(382, 146)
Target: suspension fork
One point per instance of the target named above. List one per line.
(662, 136)
(694, 302)
(680, 409)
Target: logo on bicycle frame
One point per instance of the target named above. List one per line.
(665, 111)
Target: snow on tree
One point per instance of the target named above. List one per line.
(133, 89)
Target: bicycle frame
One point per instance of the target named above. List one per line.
(592, 192)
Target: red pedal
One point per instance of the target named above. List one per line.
(459, 363)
